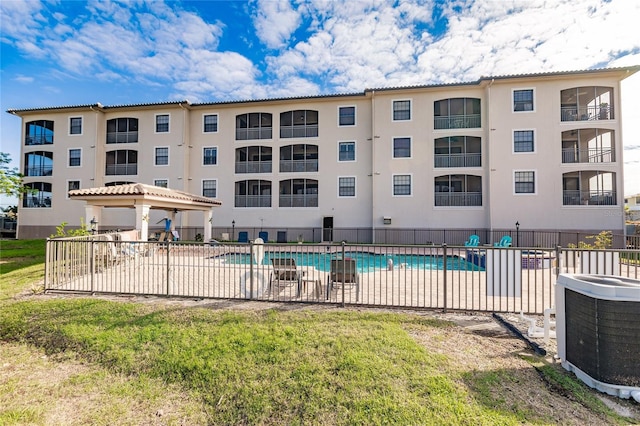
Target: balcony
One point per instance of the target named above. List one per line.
(589, 198)
(308, 131)
(298, 166)
(253, 201)
(250, 134)
(38, 171)
(253, 166)
(39, 140)
(458, 199)
(589, 155)
(122, 137)
(468, 121)
(305, 200)
(458, 160)
(121, 169)
(586, 113)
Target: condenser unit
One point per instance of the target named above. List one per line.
(598, 331)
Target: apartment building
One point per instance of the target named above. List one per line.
(543, 150)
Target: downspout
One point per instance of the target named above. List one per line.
(186, 173)
(373, 167)
(491, 169)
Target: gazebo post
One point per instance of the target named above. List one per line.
(142, 220)
(208, 221)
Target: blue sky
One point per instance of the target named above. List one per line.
(57, 53)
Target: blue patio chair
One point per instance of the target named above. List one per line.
(264, 235)
(504, 242)
(474, 240)
(243, 237)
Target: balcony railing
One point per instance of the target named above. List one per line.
(589, 198)
(586, 113)
(305, 200)
(458, 160)
(253, 166)
(589, 155)
(253, 201)
(298, 166)
(468, 121)
(458, 199)
(309, 131)
(39, 171)
(249, 134)
(122, 169)
(122, 137)
(39, 140)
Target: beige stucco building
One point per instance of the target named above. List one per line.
(543, 150)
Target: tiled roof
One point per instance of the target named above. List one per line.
(134, 189)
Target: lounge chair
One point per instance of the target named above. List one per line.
(474, 241)
(504, 242)
(243, 237)
(284, 269)
(345, 272)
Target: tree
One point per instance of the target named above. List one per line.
(10, 179)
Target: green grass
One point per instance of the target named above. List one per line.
(21, 266)
(238, 367)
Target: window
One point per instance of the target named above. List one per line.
(39, 132)
(38, 163)
(122, 162)
(298, 193)
(210, 123)
(162, 156)
(75, 156)
(523, 100)
(347, 116)
(122, 130)
(299, 124)
(75, 126)
(72, 185)
(254, 159)
(162, 183)
(456, 113)
(401, 147)
(346, 151)
(210, 156)
(209, 188)
(162, 123)
(253, 193)
(346, 187)
(401, 110)
(38, 195)
(402, 185)
(299, 158)
(523, 141)
(457, 151)
(255, 125)
(525, 182)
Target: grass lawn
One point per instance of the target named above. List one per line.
(84, 360)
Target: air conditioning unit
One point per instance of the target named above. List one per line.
(598, 331)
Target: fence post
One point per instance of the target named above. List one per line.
(92, 256)
(344, 267)
(250, 269)
(558, 260)
(444, 268)
(168, 243)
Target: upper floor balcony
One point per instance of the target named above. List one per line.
(589, 198)
(298, 166)
(458, 199)
(457, 113)
(298, 200)
(253, 166)
(589, 188)
(458, 160)
(588, 146)
(253, 200)
(586, 104)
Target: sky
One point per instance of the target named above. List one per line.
(58, 53)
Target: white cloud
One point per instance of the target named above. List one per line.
(275, 21)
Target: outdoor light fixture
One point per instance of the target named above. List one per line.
(233, 230)
(94, 225)
(517, 234)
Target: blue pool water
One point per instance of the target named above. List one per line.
(366, 262)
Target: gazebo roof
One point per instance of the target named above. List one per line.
(130, 195)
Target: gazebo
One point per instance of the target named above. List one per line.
(143, 198)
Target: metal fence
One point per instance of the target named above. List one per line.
(485, 278)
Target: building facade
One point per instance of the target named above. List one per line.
(543, 150)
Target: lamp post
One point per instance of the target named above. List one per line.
(517, 234)
(94, 225)
(233, 230)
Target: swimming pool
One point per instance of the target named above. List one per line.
(366, 262)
